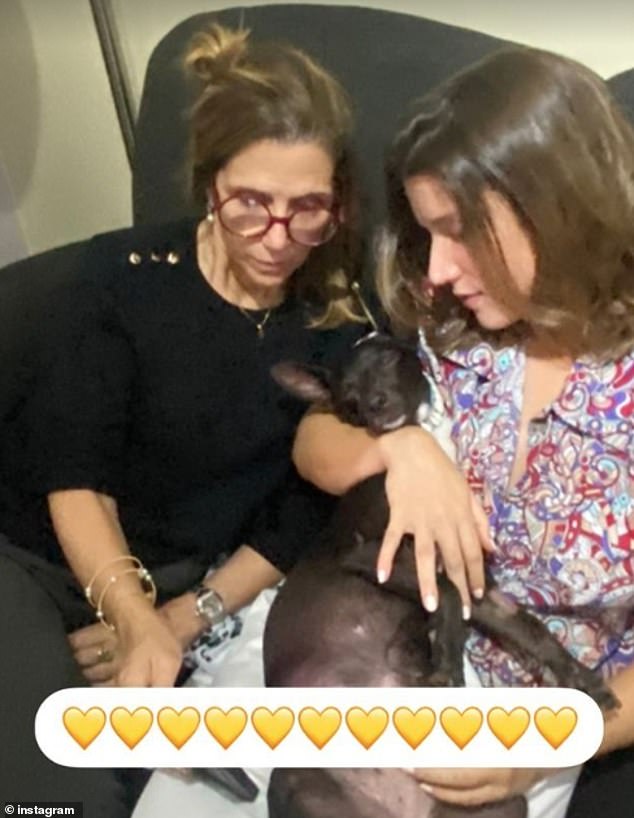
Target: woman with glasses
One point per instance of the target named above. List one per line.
(160, 442)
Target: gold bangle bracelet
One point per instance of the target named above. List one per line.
(88, 589)
(149, 590)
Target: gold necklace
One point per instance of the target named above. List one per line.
(206, 266)
(259, 325)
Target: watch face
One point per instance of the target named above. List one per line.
(209, 605)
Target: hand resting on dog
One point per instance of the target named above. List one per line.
(332, 624)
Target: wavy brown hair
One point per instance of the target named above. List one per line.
(251, 91)
(544, 133)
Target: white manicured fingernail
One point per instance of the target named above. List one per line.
(427, 788)
(466, 612)
(431, 603)
(381, 576)
(478, 593)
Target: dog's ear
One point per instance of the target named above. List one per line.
(310, 383)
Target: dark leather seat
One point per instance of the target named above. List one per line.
(385, 59)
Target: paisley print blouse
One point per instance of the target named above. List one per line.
(564, 533)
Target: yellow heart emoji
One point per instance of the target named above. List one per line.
(225, 727)
(414, 727)
(366, 727)
(319, 727)
(508, 727)
(272, 727)
(461, 727)
(178, 727)
(555, 727)
(84, 727)
(131, 727)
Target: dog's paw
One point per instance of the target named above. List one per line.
(594, 685)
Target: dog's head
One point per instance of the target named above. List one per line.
(379, 384)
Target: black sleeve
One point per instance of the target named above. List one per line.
(292, 518)
(80, 408)
(289, 523)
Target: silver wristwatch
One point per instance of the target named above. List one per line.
(209, 605)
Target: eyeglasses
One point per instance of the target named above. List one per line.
(246, 216)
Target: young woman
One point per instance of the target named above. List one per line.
(511, 247)
(160, 441)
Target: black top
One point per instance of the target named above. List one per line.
(158, 392)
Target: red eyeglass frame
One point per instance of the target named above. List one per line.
(285, 220)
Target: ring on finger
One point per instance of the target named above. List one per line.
(104, 655)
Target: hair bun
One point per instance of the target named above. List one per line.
(216, 53)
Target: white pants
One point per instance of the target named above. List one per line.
(166, 795)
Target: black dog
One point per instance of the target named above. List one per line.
(333, 625)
